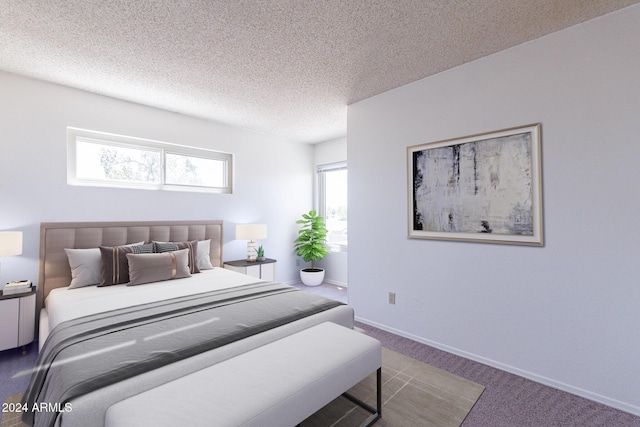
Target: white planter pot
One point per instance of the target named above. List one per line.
(312, 278)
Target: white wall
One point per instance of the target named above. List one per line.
(273, 177)
(332, 151)
(565, 314)
(334, 263)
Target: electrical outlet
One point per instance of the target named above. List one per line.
(392, 297)
(297, 263)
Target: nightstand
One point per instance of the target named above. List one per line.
(265, 270)
(17, 319)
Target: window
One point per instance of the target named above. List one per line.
(106, 160)
(332, 203)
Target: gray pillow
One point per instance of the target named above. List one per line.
(147, 268)
(160, 247)
(85, 266)
(115, 266)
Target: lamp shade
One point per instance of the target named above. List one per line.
(251, 231)
(10, 243)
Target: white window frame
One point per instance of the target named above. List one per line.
(75, 135)
(321, 192)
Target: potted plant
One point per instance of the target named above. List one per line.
(260, 254)
(311, 246)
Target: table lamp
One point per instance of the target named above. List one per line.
(10, 243)
(251, 232)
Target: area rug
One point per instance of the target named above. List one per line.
(413, 394)
(11, 419)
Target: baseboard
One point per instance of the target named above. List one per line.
(607, 401)
(330, 282)
(335, 283)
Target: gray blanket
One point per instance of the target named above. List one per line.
(86, 354)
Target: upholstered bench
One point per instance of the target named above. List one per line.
(279, 384)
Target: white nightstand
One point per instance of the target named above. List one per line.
(265, 270)
(17, 319)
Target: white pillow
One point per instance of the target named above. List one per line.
(204, 260)
(86, 265)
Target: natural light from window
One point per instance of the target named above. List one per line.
(103, 162)
(332, 186)
(100, 159)
(195, 171)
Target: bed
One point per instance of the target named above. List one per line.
(65, 312)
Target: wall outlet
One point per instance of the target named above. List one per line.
(297, 263)
(392, 297)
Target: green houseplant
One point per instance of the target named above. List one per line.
(311, 246)
(260, 253)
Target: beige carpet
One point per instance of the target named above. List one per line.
(413, 394)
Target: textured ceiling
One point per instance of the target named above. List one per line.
(283, 67)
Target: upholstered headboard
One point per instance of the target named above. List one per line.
(54, 270)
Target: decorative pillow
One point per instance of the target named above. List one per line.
(85, 266)
(158, 267)
(160, 247)
(204, 257)
(115, 267)
(142, 249)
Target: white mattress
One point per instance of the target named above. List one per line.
(64, 304)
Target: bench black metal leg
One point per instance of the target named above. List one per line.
(376, 413)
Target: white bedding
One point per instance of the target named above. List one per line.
(90, 409)
(64, 304)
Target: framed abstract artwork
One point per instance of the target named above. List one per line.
(483, 188)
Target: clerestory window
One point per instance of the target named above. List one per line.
(107, 160)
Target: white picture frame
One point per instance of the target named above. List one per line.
(480, 188)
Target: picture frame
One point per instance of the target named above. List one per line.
(479, 188)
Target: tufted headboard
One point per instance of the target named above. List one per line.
(54, 270)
